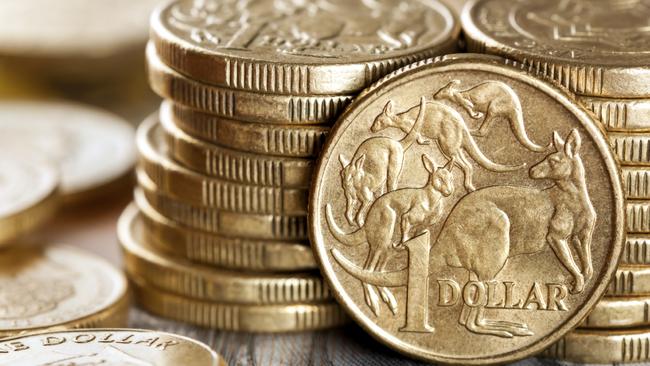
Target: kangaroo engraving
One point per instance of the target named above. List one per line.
(490, 225)
(445, 126)
(492, 101)
(374, 170)
(412, 209)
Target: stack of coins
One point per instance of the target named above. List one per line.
(599, 51)
(218, 234)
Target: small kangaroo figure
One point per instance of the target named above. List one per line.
(493, 100)
(445, 126)
(413, 209)
(488, 226)
(374, 170)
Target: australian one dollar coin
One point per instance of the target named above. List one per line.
(466, 212)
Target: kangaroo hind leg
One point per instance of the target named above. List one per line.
(468, 170)
(473, 318)
(386, 294)
(369, 291)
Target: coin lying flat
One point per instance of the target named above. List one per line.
(281, 140)
(211, 284)
(596, 48)
(619, 312)
(244, 318)
(630, 281)
(73, 39)
(234, 165)
(242, 105)
(638, 216)
(130, 347)
(79, 138)
(321, 47)
(620, 115)
(28, 193)
(201, 190)
(456, 256)
(225, 223)
(636, 250)
(59, 287)
(221, 251)
(602, 347)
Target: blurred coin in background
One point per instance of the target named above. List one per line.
(28, 192)
(74, 40)
(107, 347)
(94, 149)
(58, 287)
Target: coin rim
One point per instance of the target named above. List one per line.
(500, 67)
(164, 38)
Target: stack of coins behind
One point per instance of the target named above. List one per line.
(599, 52)
(218, 233)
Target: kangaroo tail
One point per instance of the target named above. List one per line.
(350, 239)
(385, 279)
(519, 129)
(475, 152)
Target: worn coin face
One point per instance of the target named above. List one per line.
(58, 286)
(28, 192)
(93, 148)
(598, 48)
(294, 47)
(467, 212)
(126, 347)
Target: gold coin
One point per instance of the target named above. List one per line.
(59, 287)
(73, 40)
(239, 104)
(602, 347)
(28, 193)
(331, 47)
(225, 223)
(234, 317)
(464, 224)
(227, 252)
(599, 48)
(631, 148)
(232, 165)
(197, 189)
(636, 182)
(636, 250)
(269, 139)
(76, 137)
(127, 347)
(630, 281)
(172, 274)
(620, 115)
(638, 216)
(619, 312)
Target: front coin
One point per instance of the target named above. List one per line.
(466, 212)
(107, 347)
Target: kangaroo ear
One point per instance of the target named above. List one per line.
(557, 141)
(358, 163)
(429, 165)
(572, 146)
(344, 162)
(388, 108)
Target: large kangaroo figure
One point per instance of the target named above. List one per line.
(494, 101)
(445, 126)
(375, 169)
(412, 209)
(488, 226)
